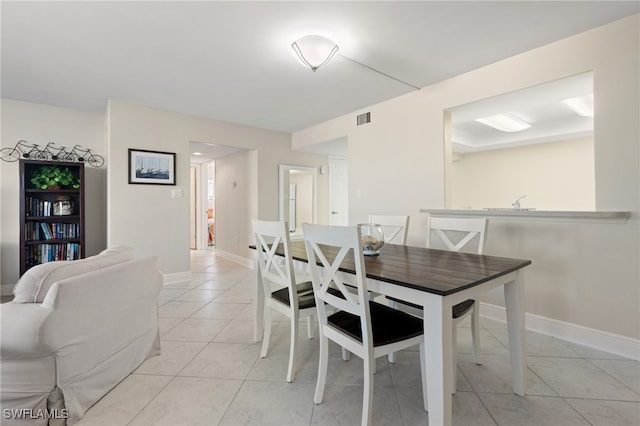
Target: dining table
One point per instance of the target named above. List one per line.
(437, 280)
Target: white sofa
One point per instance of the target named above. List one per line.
(73, 331)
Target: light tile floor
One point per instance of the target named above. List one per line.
(210, 373)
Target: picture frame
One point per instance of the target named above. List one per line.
(152, 167)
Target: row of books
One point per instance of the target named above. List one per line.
(38, 207)
(43, 253)
(38, 231)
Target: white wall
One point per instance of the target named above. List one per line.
(406, 178)
(236, 201)
(41, 124)
(147, 218)
(554, 176)
(583, 273)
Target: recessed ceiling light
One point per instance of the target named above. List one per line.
(196, 153)
(582, 106)
(505, 122)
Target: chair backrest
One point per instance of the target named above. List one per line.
(275, 269)
(328, 248)
(463, 230)
(394, 228)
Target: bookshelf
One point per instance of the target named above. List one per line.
(51, 220)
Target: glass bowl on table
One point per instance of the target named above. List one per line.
(371, 237)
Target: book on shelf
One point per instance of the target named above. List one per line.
(45, 230)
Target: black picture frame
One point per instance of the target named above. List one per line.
(152, 167)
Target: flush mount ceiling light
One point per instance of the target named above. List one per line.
(313, 51)
(582, 106)
(505, 122)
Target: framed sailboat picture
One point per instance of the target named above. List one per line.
(152, 167)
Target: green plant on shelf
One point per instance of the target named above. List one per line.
(49, 177)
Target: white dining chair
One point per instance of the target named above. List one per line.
(281, 292)
(365, 328)
(454, 234)
(394, 228)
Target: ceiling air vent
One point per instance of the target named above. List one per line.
(363, 118)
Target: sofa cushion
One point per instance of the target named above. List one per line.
(35, 283)
(27, 286)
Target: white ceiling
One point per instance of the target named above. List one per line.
(232, 61)
(209, 151)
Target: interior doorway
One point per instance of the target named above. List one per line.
(193, 203)
(202, 205)
(208, 159)
(298, 197)
(211, 203)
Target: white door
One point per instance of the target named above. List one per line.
(193, 207)
(338, 191)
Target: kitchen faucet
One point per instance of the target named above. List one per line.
(516, 203)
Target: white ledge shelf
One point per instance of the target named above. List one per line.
(534, 214)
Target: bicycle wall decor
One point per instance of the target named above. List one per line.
(50, 152)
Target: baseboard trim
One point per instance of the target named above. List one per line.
(597, 339)
(176, 278)
(6, 289)
(235, 258)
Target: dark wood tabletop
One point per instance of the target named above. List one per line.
(435, 271)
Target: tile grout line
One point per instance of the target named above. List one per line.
(152, 399)
(613, 377)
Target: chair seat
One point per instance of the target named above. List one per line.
(388, 325)
(306, 298)
(462, 308)
(458, 310)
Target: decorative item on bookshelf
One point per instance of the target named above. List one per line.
(63, 205)
(53, 176)
(26, 151)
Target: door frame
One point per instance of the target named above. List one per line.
(332, 178)
(198, 212)
(283, 190)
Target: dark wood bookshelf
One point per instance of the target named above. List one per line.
(44, 235)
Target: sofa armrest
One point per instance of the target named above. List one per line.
(22, 325)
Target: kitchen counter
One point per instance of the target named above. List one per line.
(616, 216)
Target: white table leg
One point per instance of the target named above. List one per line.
(438, 353)
(514, 304)
(258, 319)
